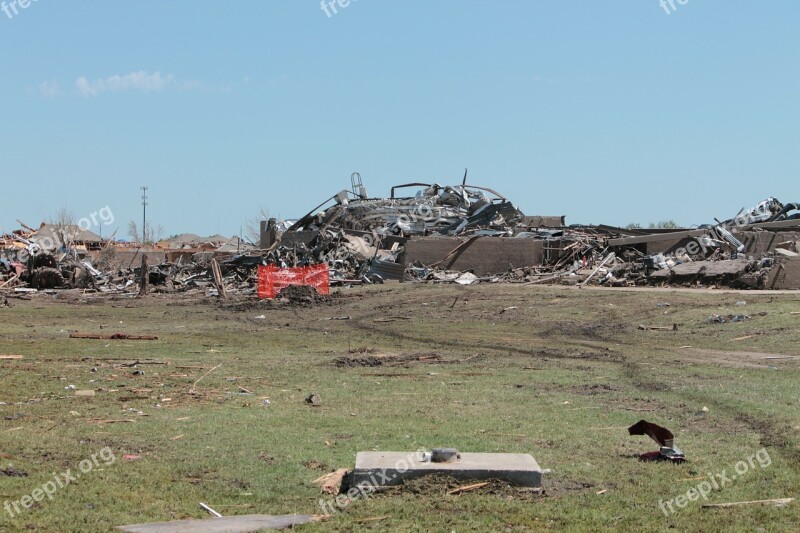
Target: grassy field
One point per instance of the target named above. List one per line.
(558, 373)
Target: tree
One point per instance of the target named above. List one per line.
(63, 219)
(252, 226)
(64, 225)
(664, 224)
(151, 234)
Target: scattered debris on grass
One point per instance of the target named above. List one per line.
(441, 485)
(719, 319)
(662, 436)
(314, 400)
(10, 471)
(194, 385)
(210, 511)
(331, 483)
(115, 336)
(673, 327)
(386, 360)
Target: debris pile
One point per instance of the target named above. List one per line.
(69, 258)
(423, 232)
(467, 234)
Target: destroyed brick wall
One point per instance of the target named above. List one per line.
(762, 242)
(268, 233)
(785, 274)
(484, 256)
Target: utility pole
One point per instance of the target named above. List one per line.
(144, 215)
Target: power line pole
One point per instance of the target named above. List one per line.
(144, 215)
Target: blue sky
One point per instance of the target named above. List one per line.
(605, 111)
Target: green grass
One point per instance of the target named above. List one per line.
(561, 377)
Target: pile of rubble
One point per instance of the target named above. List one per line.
(52, 258)
(469, 234)
(363, 239)
(461, 234)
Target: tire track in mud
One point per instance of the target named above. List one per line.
(611, 355)
(772, 432)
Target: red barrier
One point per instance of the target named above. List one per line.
(272, 280)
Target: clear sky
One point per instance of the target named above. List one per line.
(607, 111)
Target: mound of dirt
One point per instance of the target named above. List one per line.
(294, 295)
(302, 295)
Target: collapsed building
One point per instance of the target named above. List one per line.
(421, 232)
(468, 233)
(58, 256)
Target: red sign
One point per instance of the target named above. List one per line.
(272, 280)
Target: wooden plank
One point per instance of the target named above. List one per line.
(11, 280)
(218, 281)
(331, 483)
(467, 488)
(145, 277)
(777, 501)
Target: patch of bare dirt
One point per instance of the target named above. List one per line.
(591, 390)
(598, 331)
(386, 360)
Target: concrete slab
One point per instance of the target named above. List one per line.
(706, 269)
(381, 469)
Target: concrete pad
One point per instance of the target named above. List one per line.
(382, 469)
